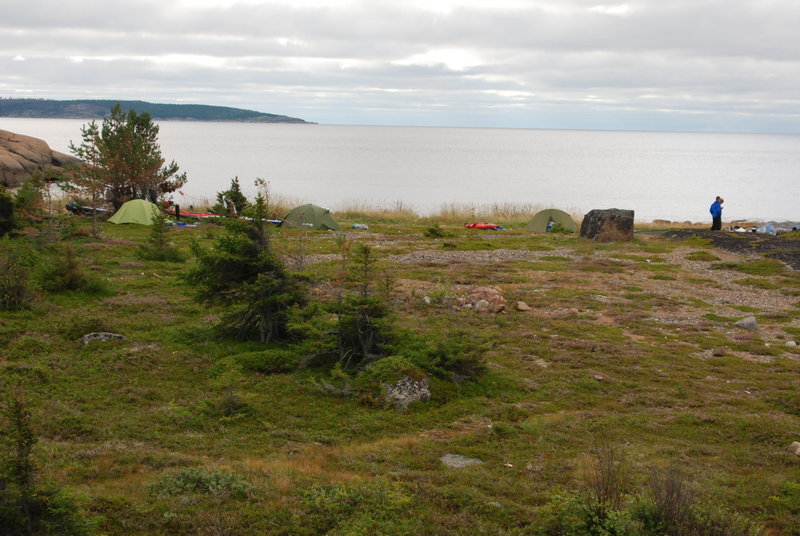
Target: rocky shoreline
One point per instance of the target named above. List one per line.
(784, 247)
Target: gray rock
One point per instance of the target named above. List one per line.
(101, 337)
(406, 391)
(750, 323)
(22, 156)
(457, 461)
(608, 225)
(791, 343)
(794, 448)
(522, 306)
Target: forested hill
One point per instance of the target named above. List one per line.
(97, 109)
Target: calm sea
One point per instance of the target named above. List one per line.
(659, 175)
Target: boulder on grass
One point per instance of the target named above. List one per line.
(407, 390)
(608, 225)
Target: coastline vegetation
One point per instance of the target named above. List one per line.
(624, 402)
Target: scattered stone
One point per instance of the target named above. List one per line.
(794, 448)
(750, 323)
(482, 305)
(522, 306)
(486, 299)
(101, 337)
(608, 225)
(406, 391)
(791, 343)
(599, 376)
(457, 461)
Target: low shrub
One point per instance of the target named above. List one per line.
(372, 381)
(360, 509)
(16, 289)
(195, 480)
(26, 507)
(63, 273)
(273, 361)
(457, 355)
(581, 515)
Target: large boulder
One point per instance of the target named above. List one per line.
(21, 156)
(608, 225)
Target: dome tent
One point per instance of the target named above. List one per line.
(543, 218)
(310, 217)
(136, 211)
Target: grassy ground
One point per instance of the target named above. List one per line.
(625, 348)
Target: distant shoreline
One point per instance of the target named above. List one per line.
(19, 108)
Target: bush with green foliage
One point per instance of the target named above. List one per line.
(233, 195)
(457, 355)
(159, 247)
(371, 382)
(582, 515)
(364, 322)
(358, 509)
(272, 361)
(6, 212)
(62, 272)
(16, 265)
(28, 508)
(196, 480)
(241, 272)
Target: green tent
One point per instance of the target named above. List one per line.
(310, 217)
(136, 211)
(543, 218)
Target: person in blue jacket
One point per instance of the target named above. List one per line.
(716, 214)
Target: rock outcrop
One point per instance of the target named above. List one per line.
(608, 225)
(21, 156)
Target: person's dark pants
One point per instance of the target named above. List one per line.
(717, 224)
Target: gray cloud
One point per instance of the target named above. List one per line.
(695, 65)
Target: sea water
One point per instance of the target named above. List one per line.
(659, 175)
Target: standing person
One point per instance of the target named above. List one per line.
(716, 214)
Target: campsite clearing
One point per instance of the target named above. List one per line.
(629, 348)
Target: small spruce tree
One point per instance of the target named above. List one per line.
(242, 272)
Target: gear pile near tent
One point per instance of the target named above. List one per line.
(310, 217)
(136, 211)
(543, 218)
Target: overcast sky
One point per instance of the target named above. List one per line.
(697, 65)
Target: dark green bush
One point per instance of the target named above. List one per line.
(273, 361)
(16, 290)
(456, 355)
(195, 480)
(360, 509)
(6, 212)
(63, 272)
(26, 507)
(371, 382)
(158, 247)
(242, 273)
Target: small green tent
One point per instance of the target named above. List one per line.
(136, 211)
(543, 218)
(310, 217)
